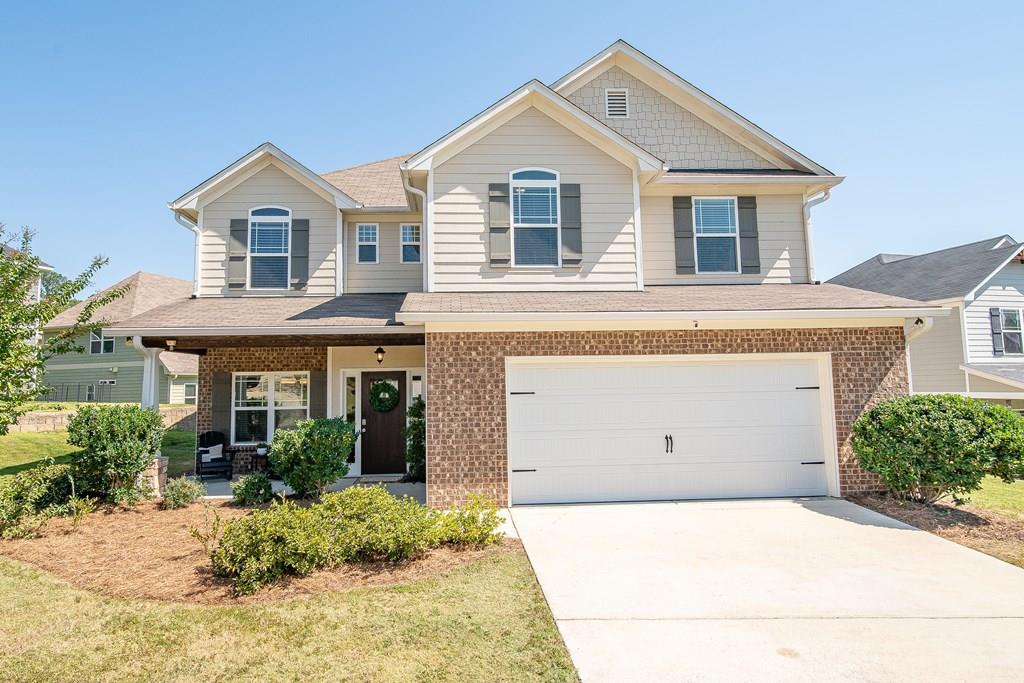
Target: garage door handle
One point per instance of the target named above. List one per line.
(666, 443)
(671, 444)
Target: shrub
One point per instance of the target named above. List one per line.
(31, 497)
(371, 524)
(182, 492)
(416, 441)
(119, 442)
(475, 523)
(312, 455)
(928, 446)
(252, 489)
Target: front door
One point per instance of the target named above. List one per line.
(383, 447)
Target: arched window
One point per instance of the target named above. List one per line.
(269, 247)
(535, 219)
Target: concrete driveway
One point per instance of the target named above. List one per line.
(776, 590)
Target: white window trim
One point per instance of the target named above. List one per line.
(375, 243)
(94, 337)
(249, 255)
(1019, 330)
(607, 113)
(402, 244)
(195, 391)
(270, 408)
(696, 254)
(557, 184)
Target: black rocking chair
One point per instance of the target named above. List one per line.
(207, 465)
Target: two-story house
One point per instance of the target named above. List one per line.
(603, 287)
(978, 350)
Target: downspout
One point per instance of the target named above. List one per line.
(808, 243)
(184, 222)
(425, 256)
(911, 331)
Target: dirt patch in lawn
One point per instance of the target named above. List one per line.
(990, 532)
(145, 552)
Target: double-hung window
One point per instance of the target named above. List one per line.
(262, 403)
(189, 393)
(410, 243)
(269, 242)
(1013, 345)
(100, 344)
(535, 220)
(715, 230)
(366, 243)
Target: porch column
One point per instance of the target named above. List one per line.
(150, 374)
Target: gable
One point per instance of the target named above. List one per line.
(663, 127)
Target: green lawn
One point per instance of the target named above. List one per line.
(486, 621)
(21, 451)
(1001, 497)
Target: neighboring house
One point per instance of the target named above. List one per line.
(110, 367)
(978, 350)
(37, 294)
(604, 289)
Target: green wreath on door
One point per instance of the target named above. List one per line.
(383, 396)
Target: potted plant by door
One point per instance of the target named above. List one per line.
(261, 449)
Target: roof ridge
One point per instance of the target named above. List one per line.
(939, 251)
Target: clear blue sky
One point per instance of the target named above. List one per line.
(111, 110)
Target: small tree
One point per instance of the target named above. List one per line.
(119, 442)
(313, 454)
(23, 349)
(416, 441)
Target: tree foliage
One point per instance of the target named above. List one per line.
(23, 313)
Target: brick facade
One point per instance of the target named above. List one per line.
(466, 437)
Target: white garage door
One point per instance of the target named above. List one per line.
(620, 430)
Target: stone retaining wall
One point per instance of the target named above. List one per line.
(179, 417)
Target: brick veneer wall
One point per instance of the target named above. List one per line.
(251, 359)
(466, 437)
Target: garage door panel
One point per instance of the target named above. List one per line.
(596, 431)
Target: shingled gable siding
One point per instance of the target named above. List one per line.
(251, 359)
(532, 139)
(271, 186)
(466, 429)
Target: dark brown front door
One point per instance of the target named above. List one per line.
(383, 442)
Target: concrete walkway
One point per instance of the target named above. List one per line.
(779, 590)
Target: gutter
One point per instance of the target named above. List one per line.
(262, 331)
(184, 222)
(808, 243)
(689, 316)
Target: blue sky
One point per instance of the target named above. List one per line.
(110, 110)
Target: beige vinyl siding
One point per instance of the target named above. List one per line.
(936, 356)
(1005, 290)
(270, 186)
(780, 242)
(389, 274)
(176, 390)
(532, 139)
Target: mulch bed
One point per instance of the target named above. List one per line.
(144, 552)
(990, 532)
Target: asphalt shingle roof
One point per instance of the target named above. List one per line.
(145, 291)
(944, 274)
(180, 363)
(378, 183)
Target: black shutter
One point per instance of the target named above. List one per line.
(572, 225)
(220, 399)
(317, 394)
(499, 225)
(238, 252)
(682, 223)
(750, 253)
(996, 321)
(300, 253)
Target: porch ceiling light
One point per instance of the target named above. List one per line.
(379, 352)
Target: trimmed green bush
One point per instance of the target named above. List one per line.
(118, 442)
(928, 446)
(313, 454)
(416, 441)
(475, 523)
(252, 489)
(32, 496)
(370, 524)
(182, 492)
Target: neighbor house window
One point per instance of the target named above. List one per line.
(410, 243)
(189, 392)
(100, 344)
(262, 403)
(269, 242)
(616, 103)
(715, 231)
(1012, 342)
(366, 243)
(535, 240)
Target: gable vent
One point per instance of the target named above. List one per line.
(616, 103)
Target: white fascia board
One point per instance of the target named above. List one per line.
(421, 160)
(575, 78)
(263, 331)
(747, 179)
(974, 292)
(687, 316)
(992, 376)
(190, 198)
